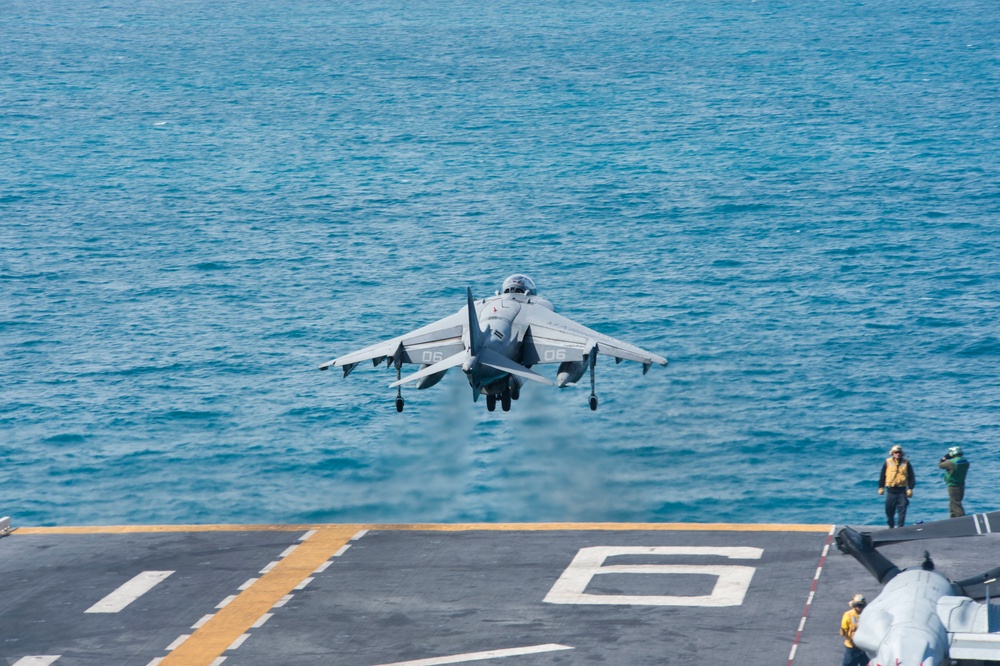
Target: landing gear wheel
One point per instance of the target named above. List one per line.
(399, 403)
(515, 391)
(593, 403)
(505, 399)
(491, 402)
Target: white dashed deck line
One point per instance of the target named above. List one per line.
(238, 642)
(217, 661)
(129, 592)
(203, 620)
(247, 584)
(342, 550)
(359, 535)
(288, 551)
(177, 642)
(155, 661)
(284, 600)
(269, 566)
(323, 567)
(302, 585)
(307, 535)
(261, 620)
(37, 660)
(478, 656)
(225, 602)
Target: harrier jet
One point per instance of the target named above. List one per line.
(496, 341)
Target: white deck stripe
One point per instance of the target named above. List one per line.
(283, 600)
(477, 656)
(225, 602)
(129, 592)
(177, 642)
(238, 642)
(288, 551)
(323, 567)
(37, 660)
(359, 535)
(247, 584)
(342, 550)
(261, 620)
(307, 535)
(203, 620)
(986, 519)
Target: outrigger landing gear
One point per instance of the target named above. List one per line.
(593, 396)
(399, 389)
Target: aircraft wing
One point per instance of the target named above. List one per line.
(553, 338)
(427, 345)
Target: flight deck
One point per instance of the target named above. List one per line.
(421, 595)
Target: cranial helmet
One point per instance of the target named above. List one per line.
(519, 284)
(955, 451)
(896, 448)
(859, 600)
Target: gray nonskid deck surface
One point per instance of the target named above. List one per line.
(399, 595)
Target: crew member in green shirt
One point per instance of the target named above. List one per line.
(955, 468)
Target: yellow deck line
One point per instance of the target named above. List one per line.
(429, 527)
(210, 640)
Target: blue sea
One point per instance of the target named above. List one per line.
(797, 203)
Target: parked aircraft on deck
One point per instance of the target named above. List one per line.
(496, 341)
(922, 618)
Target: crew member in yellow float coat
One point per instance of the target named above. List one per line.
(896, 481)
(853, 655)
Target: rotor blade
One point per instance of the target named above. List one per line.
(497, 361)
(978, 586)
(974, 525)
(449, 362)
(859, 546)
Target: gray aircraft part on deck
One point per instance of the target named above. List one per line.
(921, 617)
(496, 341)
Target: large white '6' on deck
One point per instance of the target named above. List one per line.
(732, 581)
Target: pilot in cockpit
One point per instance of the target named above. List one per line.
(519, 284)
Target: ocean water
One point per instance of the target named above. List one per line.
(200, 202)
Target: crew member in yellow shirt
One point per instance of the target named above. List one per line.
(853, 655)
(896, 481)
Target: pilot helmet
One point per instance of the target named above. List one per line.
(859, 601)
(519, 284)
(897, 447)
(955, 452)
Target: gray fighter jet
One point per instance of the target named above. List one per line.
(496, 341)
(921, 618)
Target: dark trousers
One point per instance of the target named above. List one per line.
(895, 505)
(854, 657)
(955, 496)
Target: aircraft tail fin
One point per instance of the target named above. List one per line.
(475, 333)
